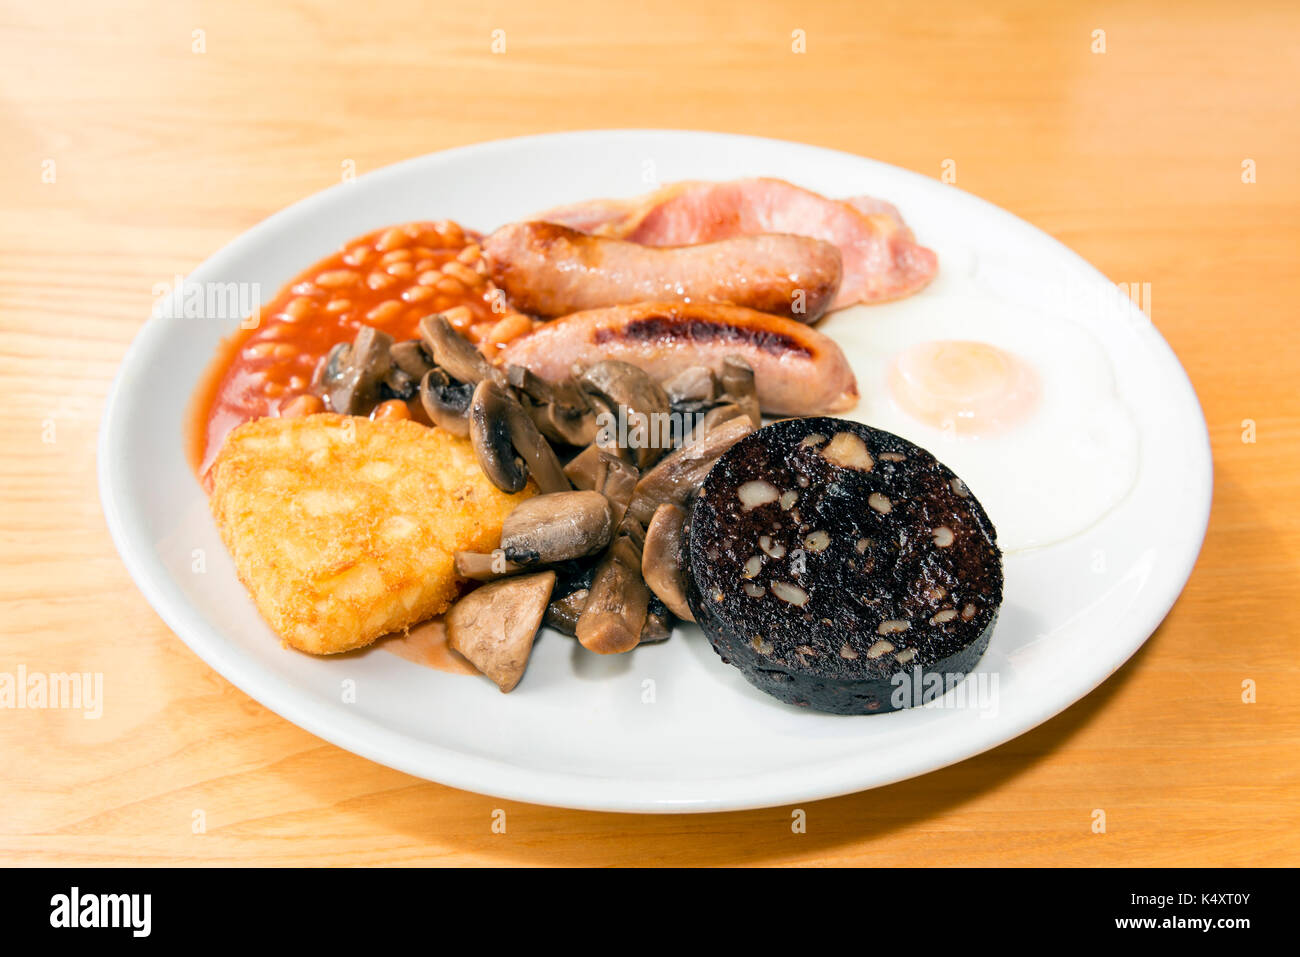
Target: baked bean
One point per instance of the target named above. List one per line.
(338, 305)
(451, 233)
(462, 272)
(459, 316)
(357, 256)
(509, 328)
(302, 405)
(337, 278)
(385, 311)
(478, 333)
(393, 409)
(470, 254)
(380, 280)
(449, 285)
(401, 270)
(299, 308)
(392, 239)
(418, 294)
(396, 256)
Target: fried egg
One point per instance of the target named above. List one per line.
(1022, 406)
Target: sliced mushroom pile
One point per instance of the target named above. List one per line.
(598, 553)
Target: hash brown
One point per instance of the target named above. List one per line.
(344, 529)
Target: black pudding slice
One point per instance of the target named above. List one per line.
(830, 561)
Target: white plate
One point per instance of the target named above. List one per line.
(668, 727)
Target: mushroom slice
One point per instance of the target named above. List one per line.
(637, 399)
(737, 380)
(410, 357)
(561, 424)
(661, 562)
(494, 625)
(715, 417)
(507, 443)
(400, 385)
(537, 452)
(692, 390)
(407, 366)
(446, 401)
(456, 354)
(600, 471)
(615, 612)
(352, 373)
(658, 623)
(557, 527)
(566, 393)
(681, 472)
(563, 613)
(569, 597)
(618, 485)
(329, 368)
(489, 433)
(484, 566)
(561, 410)
(586, 470)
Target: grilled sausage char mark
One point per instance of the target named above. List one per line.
(797, 370)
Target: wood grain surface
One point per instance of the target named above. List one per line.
(134, 147)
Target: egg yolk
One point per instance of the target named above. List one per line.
(967, 388)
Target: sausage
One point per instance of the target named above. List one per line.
(842, 568)
(551, 270)
(798, 370)
(880, 256)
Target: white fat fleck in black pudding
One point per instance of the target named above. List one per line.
(830, 560)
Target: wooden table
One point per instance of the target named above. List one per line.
(138, 140)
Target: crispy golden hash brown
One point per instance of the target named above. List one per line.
(344, 529)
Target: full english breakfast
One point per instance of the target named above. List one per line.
(619, 415)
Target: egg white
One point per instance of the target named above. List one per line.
(1054, 475)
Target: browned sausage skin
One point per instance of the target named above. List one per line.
(797, 370)
(550, 270)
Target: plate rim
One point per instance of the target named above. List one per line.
(476, 774)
